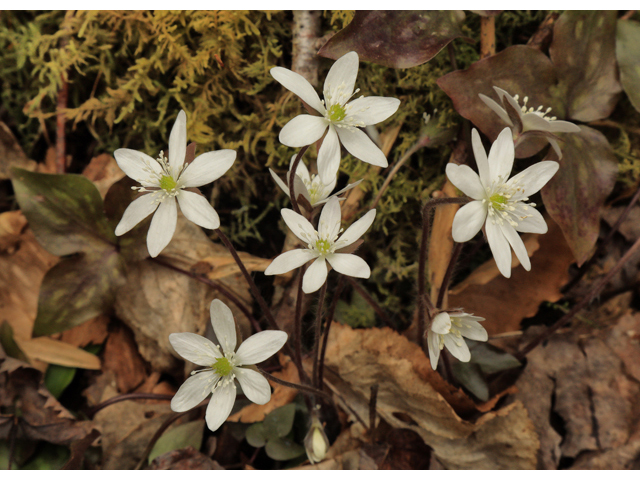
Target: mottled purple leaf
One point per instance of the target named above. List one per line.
(628, 55)
(575, 195)
(583, 50)
(518, 70)
(397, 39)
(77, 289)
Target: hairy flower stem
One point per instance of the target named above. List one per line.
(447, 276)
(303, 388)
(370, 300)
(256, 294)
(325, 336)
(317, 334)
(580, 305)
(292, 176)
(226, 292)
(297, 327)
(605, 242)
(423, 302)
(127, 396)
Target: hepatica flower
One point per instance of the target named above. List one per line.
(447, 330)
(523, 118)
(166, 180)
(500, 204)
(339, 117)
(323, 246)
(223, 365)
(309, 186)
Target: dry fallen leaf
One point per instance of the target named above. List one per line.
(122, 358)
(223, 265)
(504, 302)
(103, 171)
(48, 350)
(184, 459)
(93, 331)
(358, 359)
(11, 226)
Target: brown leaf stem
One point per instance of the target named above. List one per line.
(325, 337)
(303, 388)
(447, 276)
(317, 334)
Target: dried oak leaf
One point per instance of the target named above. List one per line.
(504, 302)
(409, 397)
(40, 415)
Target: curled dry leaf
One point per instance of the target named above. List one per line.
(408, 397)
(504, 302)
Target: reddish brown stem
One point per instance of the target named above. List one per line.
(61, 154)
(327, 327)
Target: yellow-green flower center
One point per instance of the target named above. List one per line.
(222, 367)
(498, 201)
(337, 113)
(167, 183)
(323, 246)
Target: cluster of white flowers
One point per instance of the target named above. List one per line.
(500, 205)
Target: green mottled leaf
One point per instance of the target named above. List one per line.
(519, 70)
(278, 423)
(397, 39)
(628, 56)
(182, 436)
(64, 212)
(583, 51)
(470, 376)
(283, 449)
(491, 359)
(575, 195)
(255, 435)
(77, 289)
(57, 378)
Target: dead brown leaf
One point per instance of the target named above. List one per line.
(48, 350)
(11, 226)
(93, 332)
(281, 395)
(408, 398)
(184, 459)
(504, 302)
(12, 154)
(122, 358)
(103, 171)
(223, 265)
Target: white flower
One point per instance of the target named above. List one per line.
(164, 181)
(310, 186)
(500, 204)
(528, 118)
(343, 118)
(223, 366)
(316, 442)
(322, 245)
(447, 330)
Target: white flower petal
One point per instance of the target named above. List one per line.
(198, 210)
(194, 390)
(517, 244)
(534, 223)
(466, 180)
(474, 331)
(287, 261)
(220, 406)
(223, 325)
(163, 226)
(562, 126)
(349, 264)
(458, 347)
(303, 130)
(496, 108)
(254, 386)
(207, 167)
(362, 147)
(499, 248)
(501, 156)
(371, 110)
(556, 147)
(338, 86)
(299, 225)
(296, 83)
(329, 156)
(195, 348)
(481, 158)
(315, 276)
(283, 186)
(330, 219)
(134, 163)
(504, 96)
(137, 211)
(531, 121)
(260, 346)
(441, 323)
(433, 343)
(348, 187)
(302, 171)
(178, 144)
(468, 221)
(357, 229)
(535, 177)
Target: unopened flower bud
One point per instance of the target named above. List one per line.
(316, 442)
